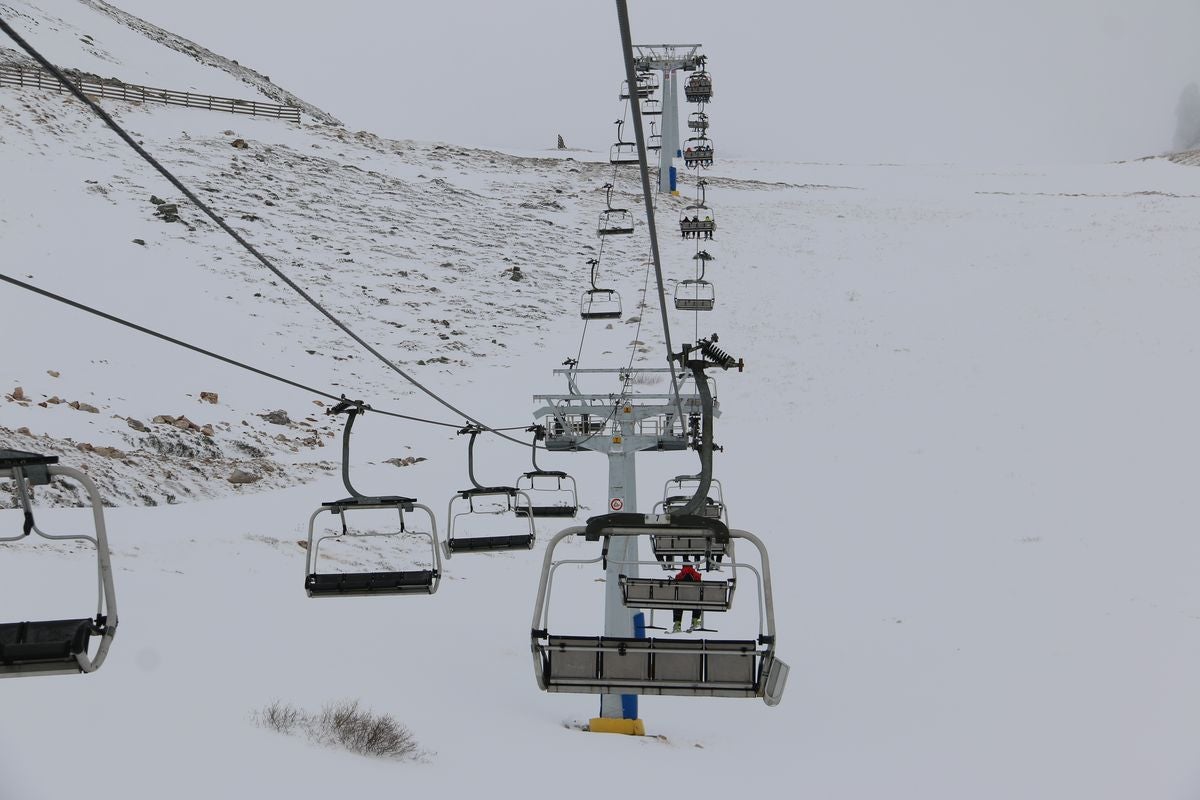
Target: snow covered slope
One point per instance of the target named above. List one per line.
(965, 434)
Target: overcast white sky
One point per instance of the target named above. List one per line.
(856, 80)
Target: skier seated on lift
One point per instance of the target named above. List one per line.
(688, 573)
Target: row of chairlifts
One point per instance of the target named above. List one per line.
(557, 497)
(696, 294)
(598, 302)
(692, 528)
(59, 646)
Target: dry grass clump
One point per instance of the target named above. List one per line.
(343, 724)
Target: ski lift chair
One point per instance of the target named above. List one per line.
(613, 221)
(694, 294)
(651, 108)
(560, 499)
(747, 668)
(648, 82)
(376, 582)
(623, 152)
(698, 152)
(57, 647)
(698, 121)
(697, 221)
(600, 304)
(597, 302)
(698, 87)
(510, 498)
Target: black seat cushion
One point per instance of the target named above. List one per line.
(369, 582)
(22, 458)
(55, 640)
(466, 544)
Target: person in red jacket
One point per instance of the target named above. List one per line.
(688, 573)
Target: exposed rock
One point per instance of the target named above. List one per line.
(142, 242)
(208, 397)
(158, 201)
(25, 431)
(81, 406)
(54, 400)
(53, 373)
(108, 452)
(240, 476)
(137, 425)
(240, 144)
(185, 424)
(407, 461)
(18, 394)
(207, 430)
(164, 419)
(277, 417)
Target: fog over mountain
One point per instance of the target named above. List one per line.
(863, 81)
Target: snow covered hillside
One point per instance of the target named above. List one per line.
(965, 434)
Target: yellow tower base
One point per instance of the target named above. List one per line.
(629, 727)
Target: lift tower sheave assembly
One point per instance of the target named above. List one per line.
(668, 59)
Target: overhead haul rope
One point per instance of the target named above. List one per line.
(220, 222)
(196, 349)
(644, 167)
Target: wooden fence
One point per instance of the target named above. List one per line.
(36, 78)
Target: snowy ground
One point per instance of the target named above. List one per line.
(964, 433)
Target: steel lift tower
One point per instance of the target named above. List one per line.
(667, 59)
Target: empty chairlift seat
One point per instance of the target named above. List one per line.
(375, 543)
(695, 295)
(614, 222)
(486, 501)
(553, 493)
(61, 646)
(458, 542)
(600, 304)
(359, 583)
